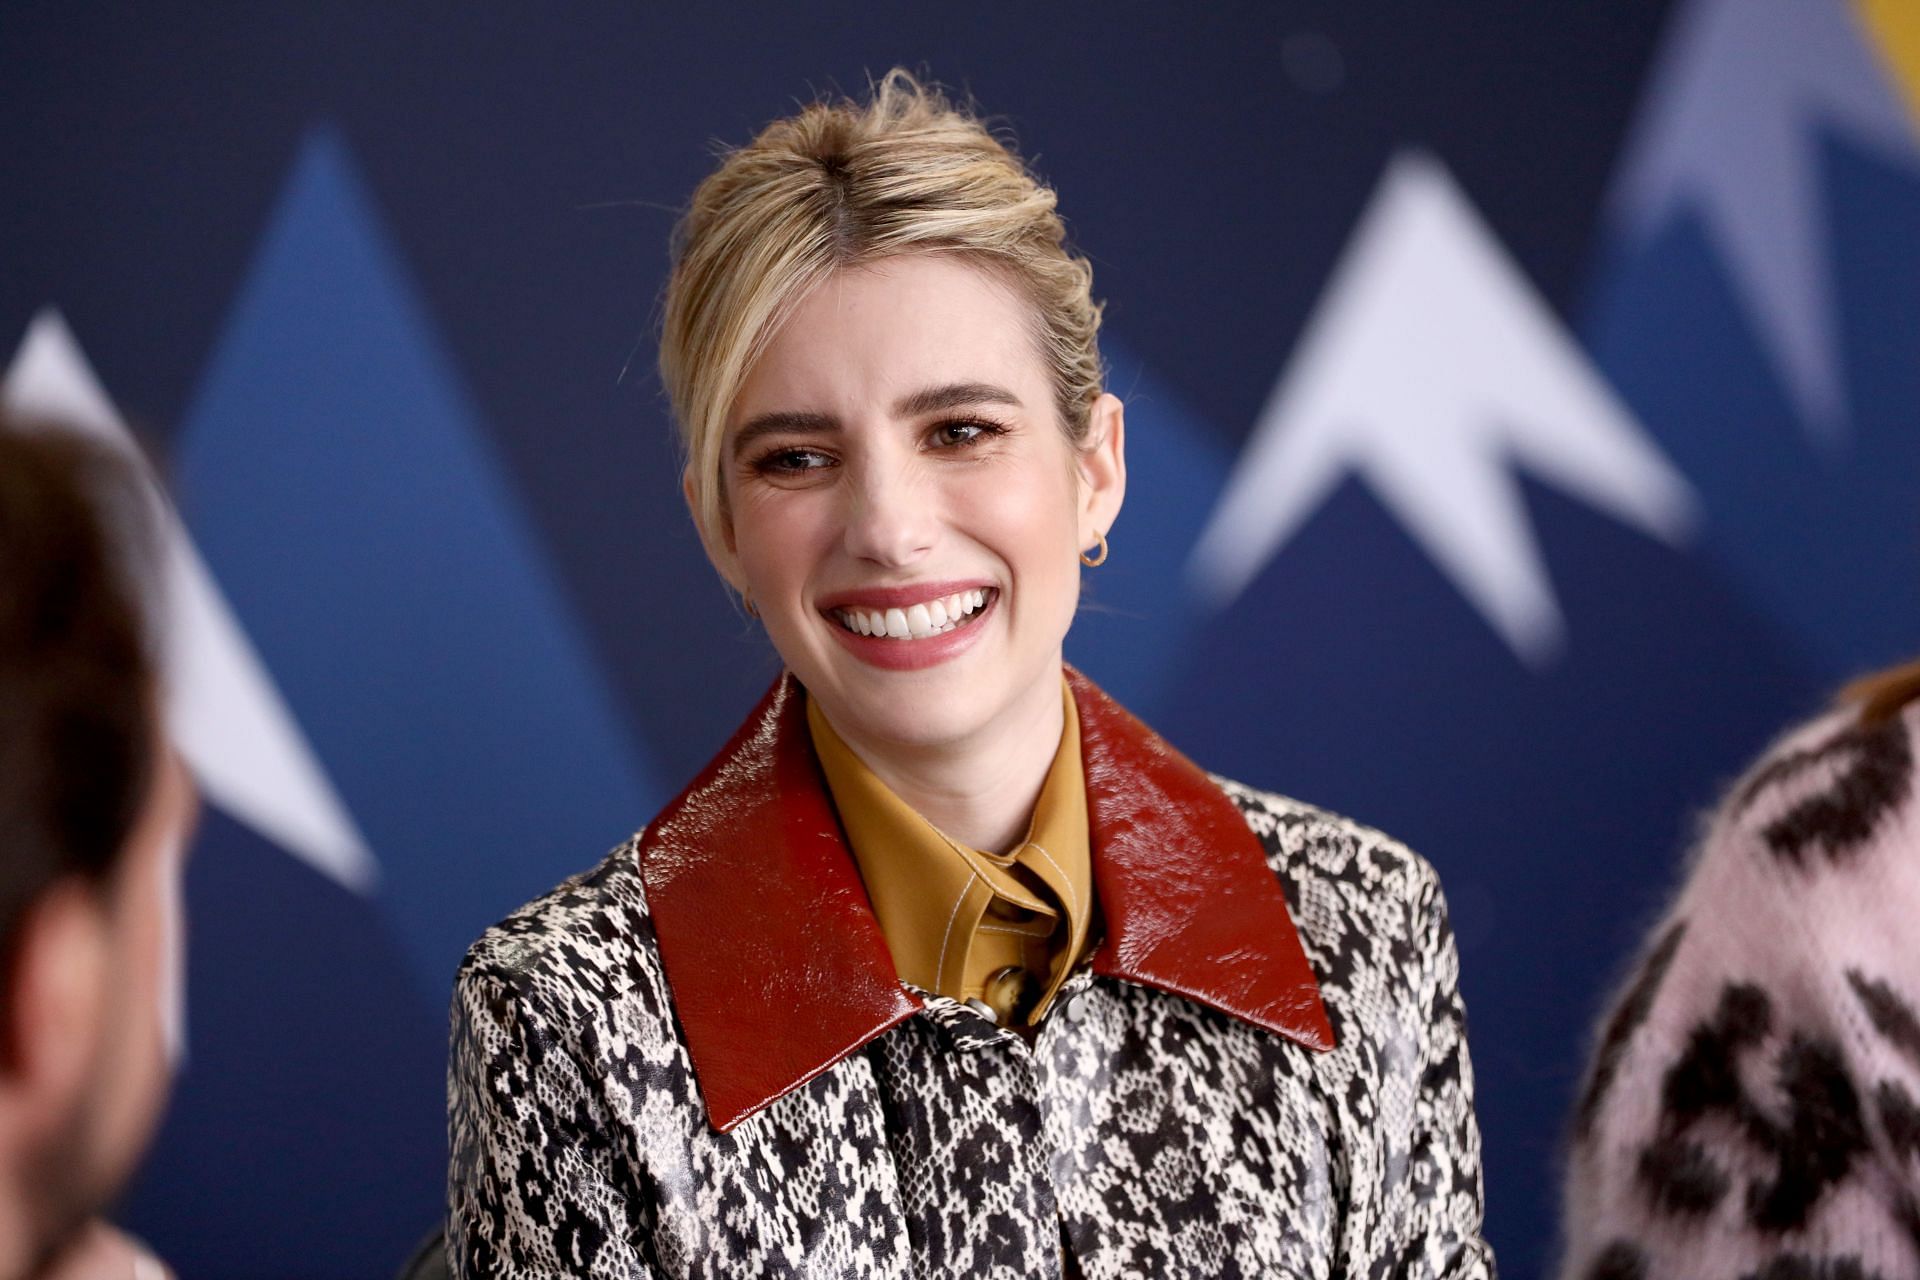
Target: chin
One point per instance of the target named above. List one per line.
(914, 713)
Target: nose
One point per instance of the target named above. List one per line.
(890, 518)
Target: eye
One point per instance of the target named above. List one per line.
(961, 433)
(791, 461)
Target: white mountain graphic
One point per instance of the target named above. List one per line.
(1731, 130)
(1430, 369)
(226, 716)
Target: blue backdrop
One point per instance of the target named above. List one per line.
(1529, 387)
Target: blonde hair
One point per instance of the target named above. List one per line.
(843, 183)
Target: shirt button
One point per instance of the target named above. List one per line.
(1003, 991)
(1077, 1008)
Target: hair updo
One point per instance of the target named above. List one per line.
(844, 183)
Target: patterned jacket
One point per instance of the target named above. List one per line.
(1753, 1109)
(696, 1059)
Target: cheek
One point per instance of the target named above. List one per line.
(777, 539)
(148, 1040)
(155, 953)
(1033, 521)
(1032, 528)
(169, 953)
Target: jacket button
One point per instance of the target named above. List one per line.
(1077, 1008)
(1003, 990)
(984, 1009)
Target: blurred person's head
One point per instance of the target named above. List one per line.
(94, 808)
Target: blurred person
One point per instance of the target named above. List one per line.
(946, 965)
(1753, 1105)
(94, 811)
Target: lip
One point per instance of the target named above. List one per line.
(911, 655)
(900, 597)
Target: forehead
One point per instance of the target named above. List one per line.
(872, 333)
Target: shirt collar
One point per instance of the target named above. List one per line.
(778, 968)
(927, 889)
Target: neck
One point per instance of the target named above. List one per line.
(982, 791)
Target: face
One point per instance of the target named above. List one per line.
(145, 998)
(904, 508)
(107, 998)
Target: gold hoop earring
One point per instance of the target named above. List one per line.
(1098, 559)
(746, 602)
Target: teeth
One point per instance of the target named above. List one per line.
(931, 618)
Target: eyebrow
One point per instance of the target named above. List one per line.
(952, 395)
(770, 424)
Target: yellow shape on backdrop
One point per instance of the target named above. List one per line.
(1895, 28)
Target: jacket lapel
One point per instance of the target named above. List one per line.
(1190, 903)
(778, 967)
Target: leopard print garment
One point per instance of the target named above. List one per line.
(1141, 1134)
(1753, 1109)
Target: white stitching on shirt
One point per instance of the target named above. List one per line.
(940, 970)
(1066, 880)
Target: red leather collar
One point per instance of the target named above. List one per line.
(779, 970)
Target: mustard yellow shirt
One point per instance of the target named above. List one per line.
(1000, 929)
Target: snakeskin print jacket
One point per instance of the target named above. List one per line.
(696, 1059)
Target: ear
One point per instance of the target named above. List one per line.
(1102, 464)
(723, 558)
(57, 1016)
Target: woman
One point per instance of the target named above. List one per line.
(946, 965)
(95, 809)
(1754, 1103)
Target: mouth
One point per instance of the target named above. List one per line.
(918, 621)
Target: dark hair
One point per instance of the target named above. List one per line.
(77, 688)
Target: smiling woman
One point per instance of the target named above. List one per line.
(945, 965)
(929, 471)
